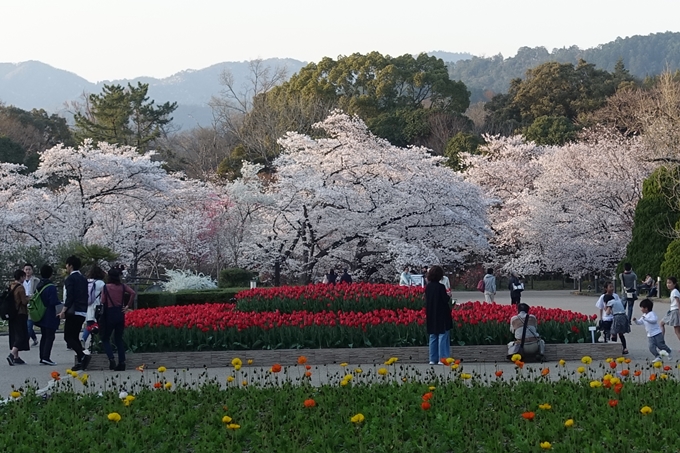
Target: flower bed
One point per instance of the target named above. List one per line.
(357, 297)
(215, 327)
(589, 407)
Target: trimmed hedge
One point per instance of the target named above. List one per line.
(164, 299)
(234, 277)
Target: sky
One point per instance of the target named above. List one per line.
(106, 40)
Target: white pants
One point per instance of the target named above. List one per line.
(489, 297)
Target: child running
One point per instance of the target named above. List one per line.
(654, 334)
(672, 318)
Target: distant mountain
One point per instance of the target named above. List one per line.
(450, 57)
(642, 55)
(33, 84)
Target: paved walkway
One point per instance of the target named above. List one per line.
(40, 374)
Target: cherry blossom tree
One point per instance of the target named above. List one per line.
(354, 200)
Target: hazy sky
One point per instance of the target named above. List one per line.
(127, 38)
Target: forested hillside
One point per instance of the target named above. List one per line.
(641, 55)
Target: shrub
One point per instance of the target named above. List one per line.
(186, 280)
(235, 276)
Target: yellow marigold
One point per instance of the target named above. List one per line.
(244, 383)
(454, 366)
(546, 445)
(615, 380)
(620, 359)
(382, 371)
(595, 384)
(226, 419)
(162, 369)
(126, 403)
(404, 379)
(465, 376)
(581, 369)
(15, 394)
(658, 364)
(608, 359)
(569, 423)
(663, 376)
(236, 361)
(83, 378)
(545, 406)
(646, 410)
(562, 362)
(431, 388)
(348, 377)
(114, 417)
(586, 360)
(515, 357)
(168, 385)
(343, 364)
(230, 378)
(250, 361)
(607, 377)
(391, 361)
(233, 426)
(358, 418)
(358, 370)
(344, 383)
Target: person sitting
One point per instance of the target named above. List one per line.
(648, 285)
(534, 346)
(405, 277)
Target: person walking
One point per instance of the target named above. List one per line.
(95, 285)
(30, 285)
(345, 277)
(75, 310)
(489, 286)
(437, 316)
(672, 318)
(620, 325)
(116, 303)
(50, 321)
(629, 284)
(516, 286)
(18, 320)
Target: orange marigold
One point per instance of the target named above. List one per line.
(617, 388)
(545, 371)
(425, 405)
(652, 377)
(612, 364)
(519, 364)
(308, 367)
(528, 415)
(309, 403)
(157, 385)
(613, 403)
(499, 373)
(308, 374)
(55, 375)
(427, 396)
(302, 360)
(625, 373)
(276, 368)
(667, 368)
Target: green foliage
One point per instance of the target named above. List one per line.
(653, 218)
(123, 116)
(671, 261)
(271, 416)
(94, 255)
(642, 55)
(551, 130)
(234, 276)
(462, 142)
(11, 151)
(165, 299)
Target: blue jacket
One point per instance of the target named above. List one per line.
(51, 300)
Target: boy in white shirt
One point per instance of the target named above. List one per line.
(654, 334)
(606, 319)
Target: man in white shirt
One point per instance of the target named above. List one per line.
(30, 284)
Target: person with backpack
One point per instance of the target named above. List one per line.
(49, 323)
(30, 285)
(18, 319)
(516, 286)
(489, 286)
(95, 285)
(75, 310)
(116, 297)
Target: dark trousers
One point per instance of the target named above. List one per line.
(72, 327)
(46, 342)
(117, 329)
(31, 331)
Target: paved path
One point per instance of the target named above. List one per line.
(39, 374)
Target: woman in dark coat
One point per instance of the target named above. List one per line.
(50, 321)
(438, 316)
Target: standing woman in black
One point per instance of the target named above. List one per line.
(438, 316)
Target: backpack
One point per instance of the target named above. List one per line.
(480, 286)
(8, 308)
(92, 296)
(36, 306)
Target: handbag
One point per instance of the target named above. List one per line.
(518, 348)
